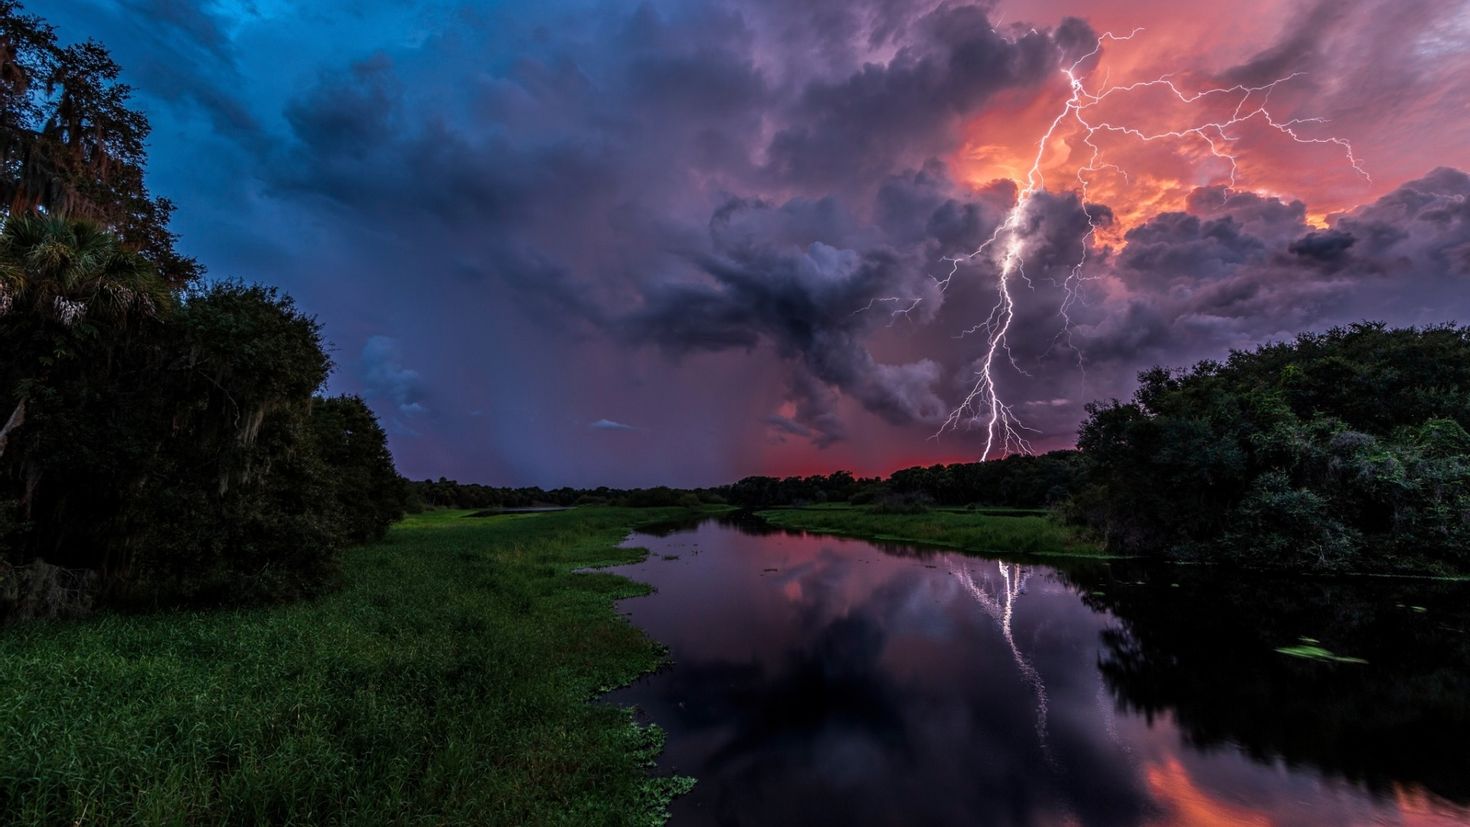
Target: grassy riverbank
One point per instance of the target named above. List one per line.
(448, 681)
(1002, 532)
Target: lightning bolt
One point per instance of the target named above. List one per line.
(1006, 247)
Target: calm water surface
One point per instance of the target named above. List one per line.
(819, 680)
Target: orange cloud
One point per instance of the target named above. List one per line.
(1156, 136)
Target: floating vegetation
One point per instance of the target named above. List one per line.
(1310, 649)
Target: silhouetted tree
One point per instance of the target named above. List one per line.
(71, 145)
(367, 493)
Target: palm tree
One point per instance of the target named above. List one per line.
(75, 274)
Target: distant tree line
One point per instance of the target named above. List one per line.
(162, 441)
(1336, 451)
(1017, 481)
(446, 493)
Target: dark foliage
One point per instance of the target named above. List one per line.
(70, 144)
(445, 493)
(1019, 481)
(367, 492)
(175, 448)
(1016, 481)
(765, 492)
(1342, 450)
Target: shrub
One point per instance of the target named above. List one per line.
(907, 503)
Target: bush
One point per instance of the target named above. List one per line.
(181, 454)
(367, 494)
(906, 503)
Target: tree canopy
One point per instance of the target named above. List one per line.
(71, 144)
(173, 443)
(1340, 450)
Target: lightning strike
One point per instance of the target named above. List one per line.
(983, 406)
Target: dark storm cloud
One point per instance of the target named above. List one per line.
(1175, 248)
(575, 176)
(1420, 229)
(180, 52)
(806, 299)
(349, 112)
(921, 209)
(787, 425)
(1327, 248)
(1197, 284)
(814, 403)
(888, 115)
(689, 214)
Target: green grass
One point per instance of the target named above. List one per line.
(448, 682)
(974, 531)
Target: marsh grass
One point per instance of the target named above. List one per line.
(448, 682)
(976, 531)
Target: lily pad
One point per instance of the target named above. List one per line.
(1310, 651)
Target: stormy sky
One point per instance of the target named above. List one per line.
(612, 243)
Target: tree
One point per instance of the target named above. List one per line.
(69, 296)
(367, 493)
(70, 144)
(1341, 450)
(235, 502)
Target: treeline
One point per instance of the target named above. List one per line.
(162, 441)
(445, 493)
(1017, 482)
(1346, 450)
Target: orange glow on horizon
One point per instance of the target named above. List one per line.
(815, 463)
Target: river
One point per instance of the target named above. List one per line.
(817, 680)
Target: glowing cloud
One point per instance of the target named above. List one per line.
(1006, 248)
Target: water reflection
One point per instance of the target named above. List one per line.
(827, 681)
(1204, 652)
(1002, 609)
